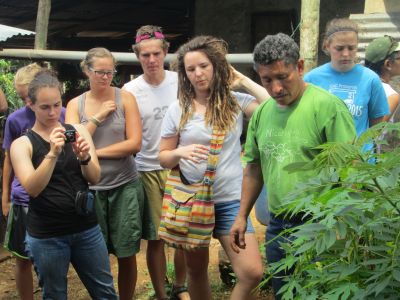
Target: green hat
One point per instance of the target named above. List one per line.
(380, 48)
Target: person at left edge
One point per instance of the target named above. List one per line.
(53, 173)
(17, 125)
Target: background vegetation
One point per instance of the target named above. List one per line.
(350, 249)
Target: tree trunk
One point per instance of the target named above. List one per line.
(309, 32)
(42, 23)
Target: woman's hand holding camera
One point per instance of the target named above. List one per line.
(59, 137)
(57, 141)
(81, 148)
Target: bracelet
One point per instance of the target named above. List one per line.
(95, 121)
(50, 156)
(86, 161)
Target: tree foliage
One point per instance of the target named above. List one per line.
(350, 248)
(7, 72)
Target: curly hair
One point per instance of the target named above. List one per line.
(276, 47)
(43, 79)
(149, 29)
(94, 53)
(222, 106)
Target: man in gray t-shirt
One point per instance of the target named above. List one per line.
(155, 90)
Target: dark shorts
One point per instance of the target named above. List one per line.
(120, 215)
(14, 240)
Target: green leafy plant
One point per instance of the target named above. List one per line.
(7, 72)
(350, 246)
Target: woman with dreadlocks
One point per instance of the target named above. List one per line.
(206, 101)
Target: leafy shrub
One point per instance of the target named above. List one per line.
(350, 249)
(7, 72)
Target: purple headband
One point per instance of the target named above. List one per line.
(148, 35)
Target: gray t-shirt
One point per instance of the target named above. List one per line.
(228, 180)
(153, 102)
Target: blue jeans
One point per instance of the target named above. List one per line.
(274, 252)
(88, 254)
(225, 215)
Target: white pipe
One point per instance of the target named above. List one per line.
(124, 58)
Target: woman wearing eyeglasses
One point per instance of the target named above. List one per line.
(111, 115)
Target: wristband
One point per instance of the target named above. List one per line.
(95, 121)
(86, 161)
(50, 156)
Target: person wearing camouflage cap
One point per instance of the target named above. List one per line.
(382, 56)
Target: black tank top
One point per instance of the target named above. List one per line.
(52, 213)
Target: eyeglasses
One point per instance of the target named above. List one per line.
(101, 73)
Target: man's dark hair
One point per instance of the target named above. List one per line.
(276, 47)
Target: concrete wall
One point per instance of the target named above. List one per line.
(232, 20)
(382, 6)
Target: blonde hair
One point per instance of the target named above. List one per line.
(25, 75)
(223, 107)
(151, 29)
(94, 53)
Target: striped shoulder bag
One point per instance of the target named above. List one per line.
(188, 218)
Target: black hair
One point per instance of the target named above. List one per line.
(377, 67)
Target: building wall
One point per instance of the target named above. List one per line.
(232, 20)
(382, 6)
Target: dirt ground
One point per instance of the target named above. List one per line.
(144, 289)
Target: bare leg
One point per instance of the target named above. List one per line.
(246, 264)
(180, 273)
(156, 263)
(127, 276)
(197, 266)
(24, 278)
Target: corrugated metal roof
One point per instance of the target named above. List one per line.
(8, 31)
(373, 26)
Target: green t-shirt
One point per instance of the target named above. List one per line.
(278, 136)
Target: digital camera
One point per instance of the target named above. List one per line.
(70, 135)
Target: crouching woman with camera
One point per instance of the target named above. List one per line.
(54, 162)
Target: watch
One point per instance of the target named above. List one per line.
(86, 161)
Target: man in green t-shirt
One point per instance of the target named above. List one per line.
(282, 132)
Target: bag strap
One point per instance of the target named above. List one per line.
(217, 139)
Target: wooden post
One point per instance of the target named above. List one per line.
(309, 32)
(42, 24)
